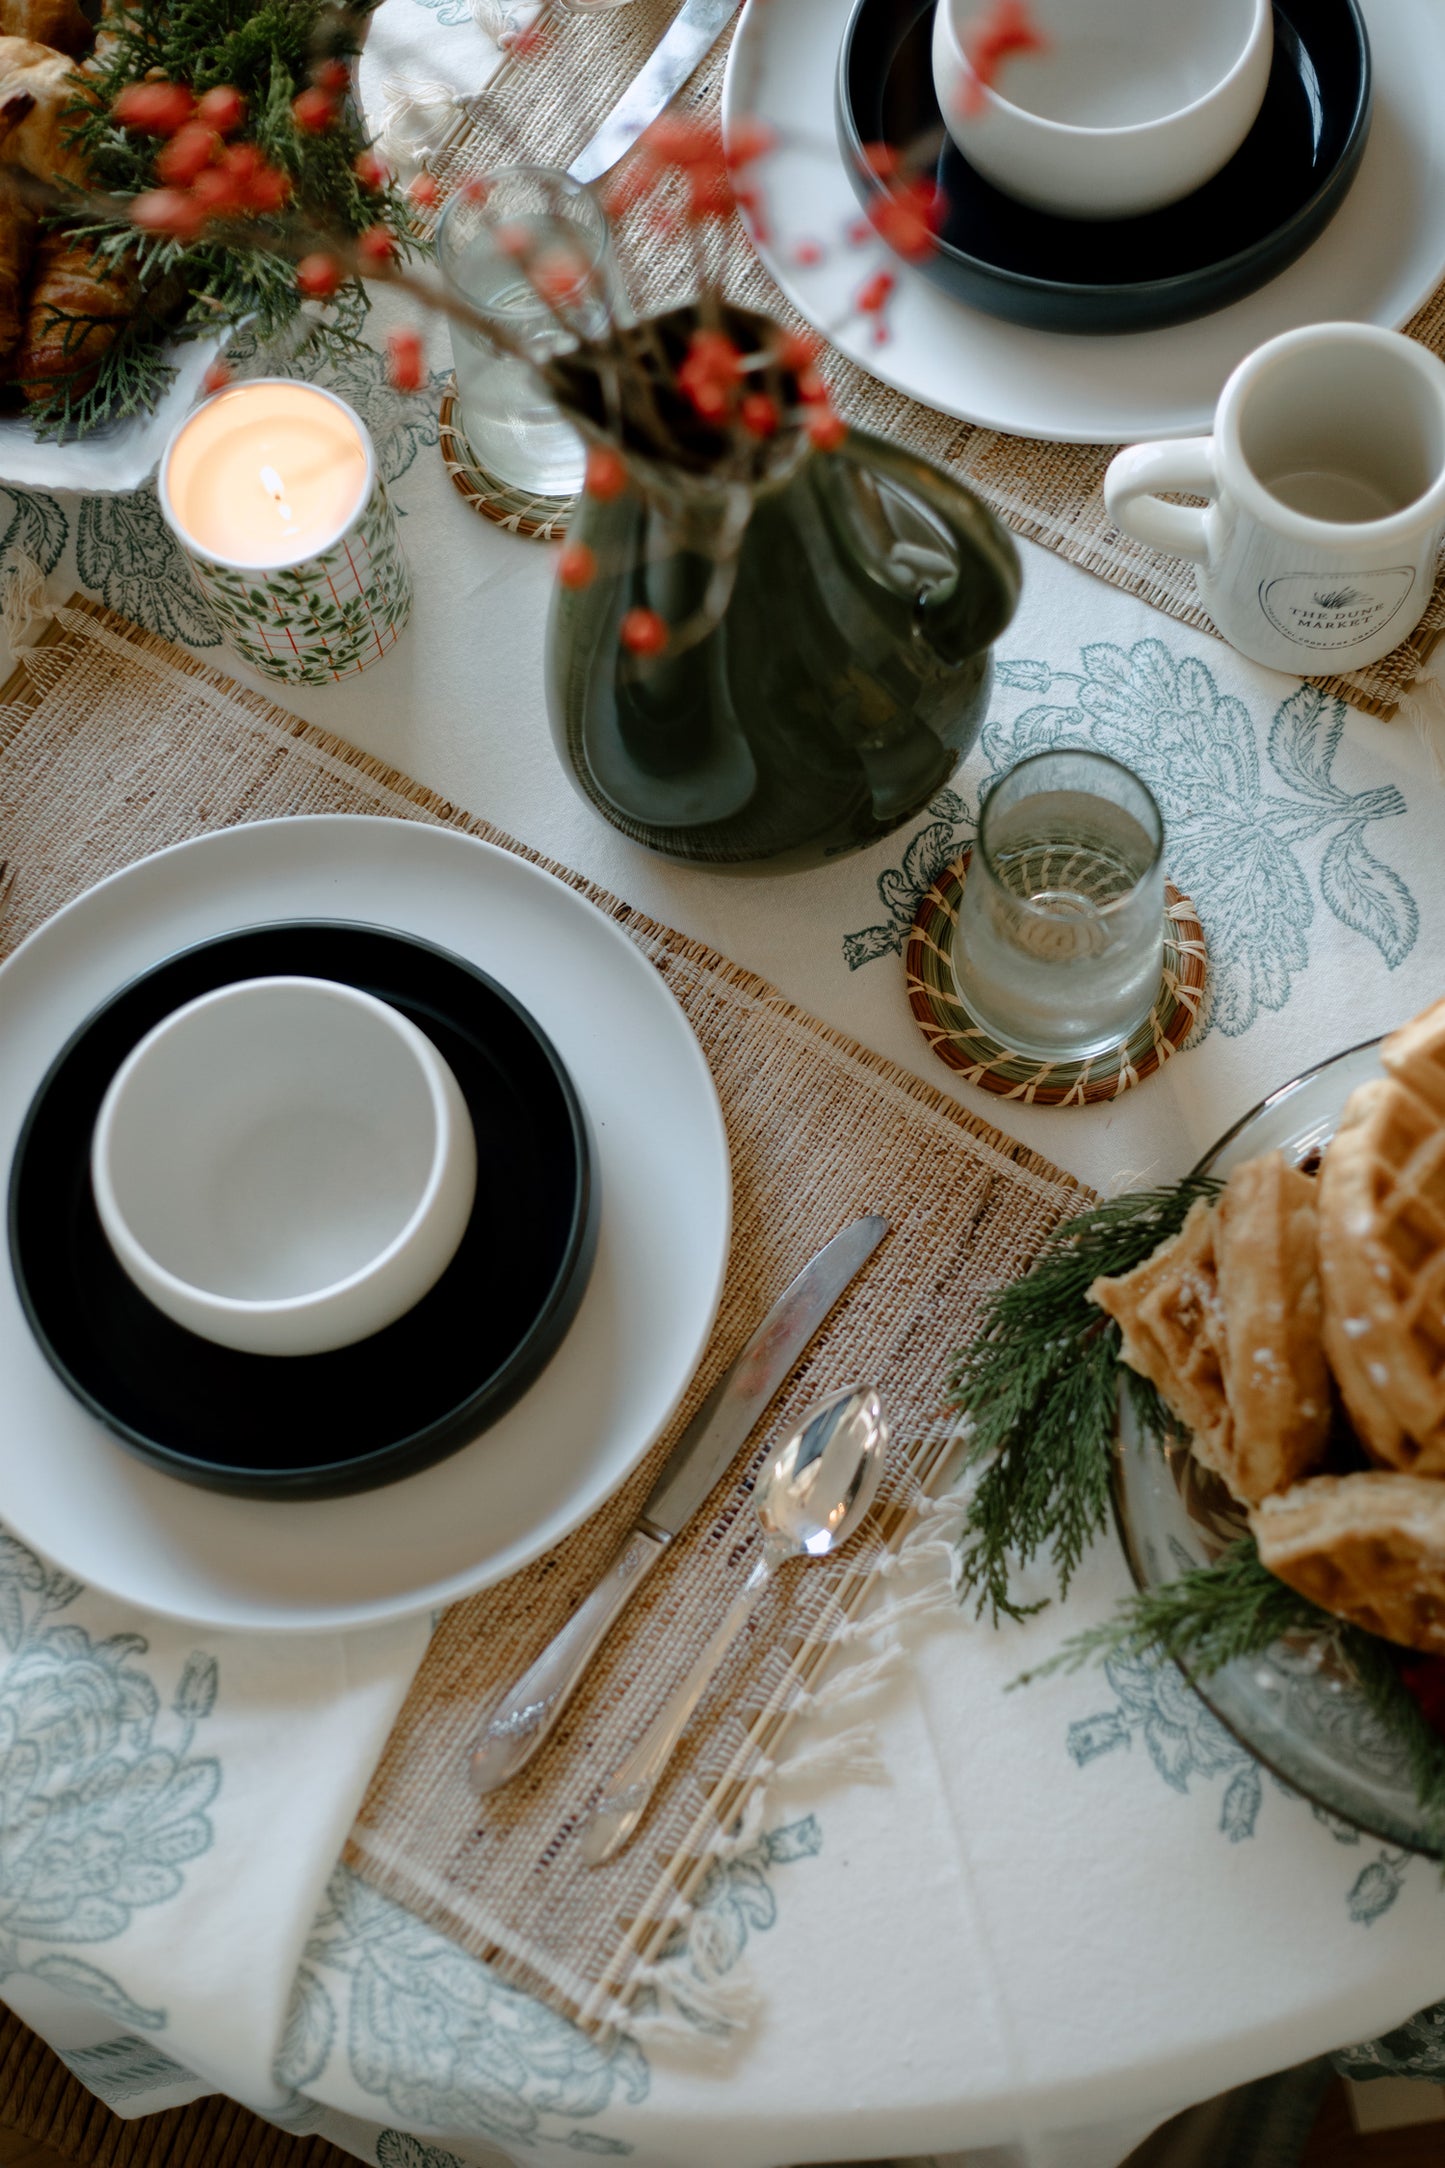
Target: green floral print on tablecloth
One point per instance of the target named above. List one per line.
(126, 554)
(37, 528)
(122, 2069)
(1234, 845)
(396, 2149)
(102, 1802)
(1183, 1738)
(447, 2046)
(401, 423)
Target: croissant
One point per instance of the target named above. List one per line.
(39, 144)
(78, 307)
(17, 239)
(59, 23)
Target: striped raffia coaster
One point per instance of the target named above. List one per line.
(1053, 493)
(114, 743)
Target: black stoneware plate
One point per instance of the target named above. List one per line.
(1241, 229)
(316, 1425)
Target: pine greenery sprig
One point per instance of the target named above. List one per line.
(265, 49)
(1215, 1614)
(1038, 1387)
(1204, 1619)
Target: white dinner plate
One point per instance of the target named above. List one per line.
(69, 1489)
(1379, 258)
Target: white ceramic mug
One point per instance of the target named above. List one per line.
(1326, 475)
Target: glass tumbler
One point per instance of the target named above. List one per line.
(510, 421)
(1059, 949)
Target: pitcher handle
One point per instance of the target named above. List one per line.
(1137, 478)
(960, 617)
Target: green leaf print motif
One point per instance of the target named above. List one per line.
(1234, 840)
(102, 1802)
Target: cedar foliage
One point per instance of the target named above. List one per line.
(242, 271)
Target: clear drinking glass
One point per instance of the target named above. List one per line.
(509, 420)
(1060, 943)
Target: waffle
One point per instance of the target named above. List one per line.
(1275, 1376)
(1172, 1323)
(1382, 1252)
(1369, 1547)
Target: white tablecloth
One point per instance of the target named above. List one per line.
(1066, 1912)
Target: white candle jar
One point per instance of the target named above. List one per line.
(272, 490)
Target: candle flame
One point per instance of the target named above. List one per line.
(272, 483)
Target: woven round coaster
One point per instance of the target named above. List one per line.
(544, 518)
(985, 1061)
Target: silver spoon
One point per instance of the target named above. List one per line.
(808, 1499)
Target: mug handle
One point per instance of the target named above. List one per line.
(1135, 480)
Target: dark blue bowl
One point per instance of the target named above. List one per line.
(307, 1426)
(1238, 231)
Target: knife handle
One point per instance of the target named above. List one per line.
(524, 1717)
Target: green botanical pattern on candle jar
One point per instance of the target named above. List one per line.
(325, 618)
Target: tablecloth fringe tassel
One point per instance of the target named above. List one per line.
(24, 609)
(695, 2001)
(1422, 706)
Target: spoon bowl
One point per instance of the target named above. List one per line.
(824, 1476)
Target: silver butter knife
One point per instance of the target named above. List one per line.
(525, 1715)
(693, 32)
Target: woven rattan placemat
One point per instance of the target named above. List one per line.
(114, 743)
(548, 105)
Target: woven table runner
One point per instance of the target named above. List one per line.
(113, 743)
(547, 106)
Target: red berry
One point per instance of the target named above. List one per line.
(267, 190)
(170, 211)
(189, 151)
(1004, 28)
(217, 377)
(405, 364)
(826, 429)
(874, 294)
(606, 473)
(797, 350)
(643, 632)
(576, 566)
(313, 110)
(759, 414)
(676, 141)
(881, 159)
(332, 76)
(318, 276)
(425, 190)
(375, 245)
(474, 191)
(223, 109)
(369, 169)
(909, 218)
(747, 140)
(216, 190)
(157, 109)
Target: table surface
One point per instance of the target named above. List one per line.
(1062, 1914)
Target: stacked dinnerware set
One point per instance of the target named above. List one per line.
(1164, 198)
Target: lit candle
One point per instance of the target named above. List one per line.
(268, 473)
(272, 491)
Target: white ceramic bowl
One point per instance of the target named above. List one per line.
(1135, 104)
(284, 1166)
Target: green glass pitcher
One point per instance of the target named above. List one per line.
(828, 658)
